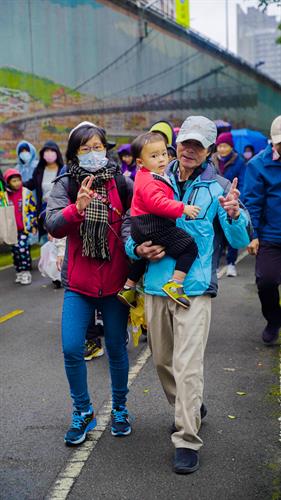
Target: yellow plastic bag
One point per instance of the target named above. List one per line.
(137, 321)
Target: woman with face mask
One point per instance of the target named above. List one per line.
(27, 160)
(249, 152)
(88, 205)
(49, 167)
(229, 164)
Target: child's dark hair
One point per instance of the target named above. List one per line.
(143, 139)
(79, 137)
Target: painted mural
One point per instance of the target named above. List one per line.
(63, 61)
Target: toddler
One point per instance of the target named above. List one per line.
(154, 212)
(25, 215)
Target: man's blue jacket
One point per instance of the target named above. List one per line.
(262, 195)
(203, 191)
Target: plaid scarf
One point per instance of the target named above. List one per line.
(94, 228)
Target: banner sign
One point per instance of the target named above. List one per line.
(182, 13)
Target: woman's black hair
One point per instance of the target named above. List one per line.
(54, 147)
(79, 137)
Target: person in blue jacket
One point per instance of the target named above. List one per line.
(178, 336)
(27, 160)
(262, 197)
(229, 164)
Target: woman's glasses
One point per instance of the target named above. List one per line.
(83, 150)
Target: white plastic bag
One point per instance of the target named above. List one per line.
(47, 263)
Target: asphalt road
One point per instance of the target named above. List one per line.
(240, 458)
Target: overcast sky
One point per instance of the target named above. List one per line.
(208, 17)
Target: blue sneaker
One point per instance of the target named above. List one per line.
(120, 425)
(81, 424)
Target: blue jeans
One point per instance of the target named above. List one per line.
(232, 254)
(77, 313)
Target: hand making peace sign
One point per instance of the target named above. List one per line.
(230, 202)
(85, 194)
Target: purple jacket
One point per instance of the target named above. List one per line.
(129, 170)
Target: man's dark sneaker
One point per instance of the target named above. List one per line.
(203, 413)
(270, 334)
(120, 425)
(81, 424)
(56, 284)
(93, 349)
(186, 461)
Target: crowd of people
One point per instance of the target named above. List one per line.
(163, 210)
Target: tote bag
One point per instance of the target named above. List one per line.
(8, 227)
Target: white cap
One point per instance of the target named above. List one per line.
(275, 130)
(82, 124)
(198, 128)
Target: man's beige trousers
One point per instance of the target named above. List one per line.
(177, 338)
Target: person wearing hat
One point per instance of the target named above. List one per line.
(88, 204)
(178, 336)
(262, 197)
(230, 165)
(128, 165)
(26, 221)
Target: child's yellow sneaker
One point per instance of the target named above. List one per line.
(128, 296)
(176, 293)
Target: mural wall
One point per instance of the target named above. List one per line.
(62, 61)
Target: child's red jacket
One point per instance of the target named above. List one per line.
(153, 196)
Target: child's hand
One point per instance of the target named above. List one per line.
(59, 261)
(34, 230)
(192, 211)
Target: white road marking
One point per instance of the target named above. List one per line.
(74, 465)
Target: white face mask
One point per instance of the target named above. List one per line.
(248, 155)
(93, 161)
(25, 156)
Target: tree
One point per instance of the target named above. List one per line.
(263, 4)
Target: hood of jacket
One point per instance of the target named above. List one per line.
(25, 144)
(166, 128)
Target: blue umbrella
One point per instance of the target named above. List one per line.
(243, 137)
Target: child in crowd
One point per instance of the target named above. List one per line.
(128, 165)
(25, 215)
(249, 152)
(154, 212)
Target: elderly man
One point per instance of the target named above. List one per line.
(178, 336)
(263, 200)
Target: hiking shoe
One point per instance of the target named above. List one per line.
(128, 296)
(186, 461)
(231, 271)
(93, 350)
(270, 334)
(120, 425)
(81, 424)
(18, 277)
(203, 413)
(56, 284)
(25, 278)
(176, 293)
